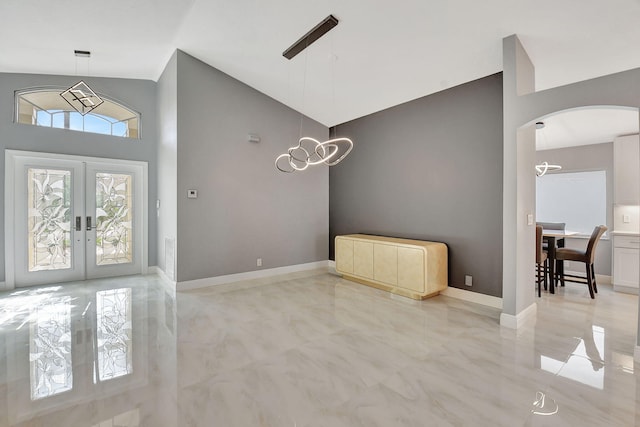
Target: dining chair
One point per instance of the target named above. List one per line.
(559, 226)
(587, 257)
(541, 261)
(552, 226)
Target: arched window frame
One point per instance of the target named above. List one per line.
(130, 118)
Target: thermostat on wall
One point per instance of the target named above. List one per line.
(192, 194)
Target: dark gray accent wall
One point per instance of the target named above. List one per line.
(245, 208)
(580, 159)
(429, 169)
(137, 94)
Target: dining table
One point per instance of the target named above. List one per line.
(554, 240)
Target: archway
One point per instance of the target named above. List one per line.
(522, 107)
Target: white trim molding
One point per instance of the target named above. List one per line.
(475, 297)
(525, 316)
(603, 279)
(160, 273)
(249, 275)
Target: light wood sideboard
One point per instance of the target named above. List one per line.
(413, 268)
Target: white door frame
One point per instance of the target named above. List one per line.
(10, 199)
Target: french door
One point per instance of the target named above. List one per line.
(72, 218)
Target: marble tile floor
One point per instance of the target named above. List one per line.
(309, 349)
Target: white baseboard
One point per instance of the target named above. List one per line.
(249, 275)
(525, 316)
(625, 289)
(636, 354)
(462, 294)
(160, 273)
(603, 279)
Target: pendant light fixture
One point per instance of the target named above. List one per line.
(80, 96)
(309, 151)
(545, 167)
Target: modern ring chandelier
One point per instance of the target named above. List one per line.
(544, 167)
(310, 152)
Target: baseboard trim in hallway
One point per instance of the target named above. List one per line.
(475, 297)
(525, 316)
(249, 275)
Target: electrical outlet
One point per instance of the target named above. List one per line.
(468, 280)
(259, 262)
(626, 219)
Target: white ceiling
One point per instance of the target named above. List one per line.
(387, 52)
(586, 126)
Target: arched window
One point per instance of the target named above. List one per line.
(45, 107)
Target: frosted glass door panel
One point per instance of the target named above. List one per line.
(47, 202)
(49, 219)
(114, 218)
(114, 206)
(72, 219)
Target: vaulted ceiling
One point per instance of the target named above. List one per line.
(381, 54)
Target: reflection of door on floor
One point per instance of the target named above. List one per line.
(73, 218)
(75, 347)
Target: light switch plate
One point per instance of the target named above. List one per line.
(529, 219)
(192, 194)
(626, 219)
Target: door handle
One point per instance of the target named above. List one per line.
(88, 223)
(78, 223)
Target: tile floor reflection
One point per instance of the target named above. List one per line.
(97, 353)
(309, 349)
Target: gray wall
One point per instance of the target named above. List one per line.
(167, 214)
(137, 94)
(245, 208)
(523, 110)
(587, 158)
(518, 244)
(430, 169)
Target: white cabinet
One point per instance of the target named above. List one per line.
(626, 170)
(626, 263)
